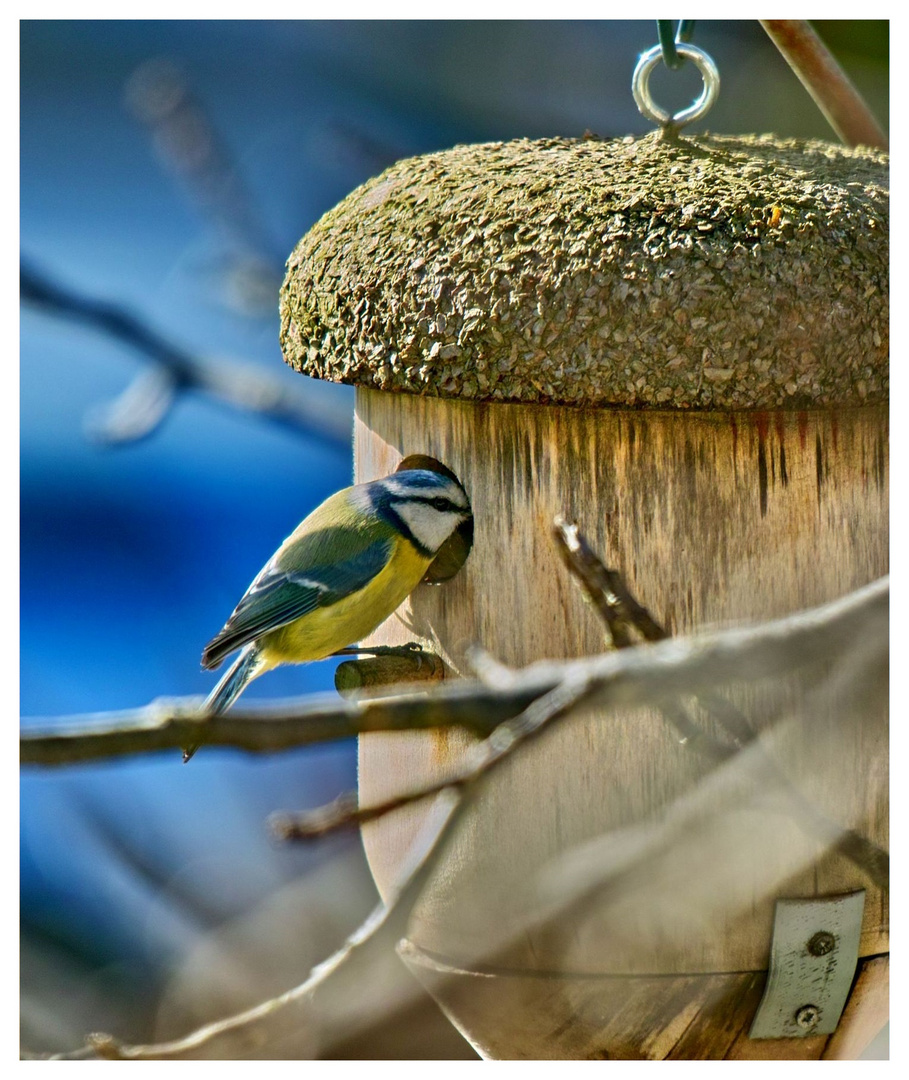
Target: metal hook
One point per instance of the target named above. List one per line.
(669, 39)
(640, 86)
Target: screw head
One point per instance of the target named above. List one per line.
(807, 1016)
(821, 943)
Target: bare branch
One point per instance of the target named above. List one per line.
(646, 675)
(167, 724)
(388, 921)
(344, 811)
(827, 83)
(146, 402)
(490, 671)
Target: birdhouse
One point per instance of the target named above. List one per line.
(681, 344)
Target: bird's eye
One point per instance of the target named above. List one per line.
(441, 504)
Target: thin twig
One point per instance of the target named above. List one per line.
(827, 83)
(168, 723)
(646, 675)
(604, 588)
(621, 613)
(344, 812)
(159, 95)
(148, 400)
(490, 671)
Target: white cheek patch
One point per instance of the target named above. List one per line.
(430, 526)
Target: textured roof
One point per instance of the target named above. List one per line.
(710, 272)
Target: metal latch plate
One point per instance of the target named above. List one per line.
(812, 962)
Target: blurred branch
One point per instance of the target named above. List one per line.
(167, 724)
(346, 813)
(355, 141)
(827, 83)
(825, 631)
(387, 923)
(148, 400)
(186, 142)
(641, 676)
(380, 932)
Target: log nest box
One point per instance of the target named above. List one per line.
(682, 344)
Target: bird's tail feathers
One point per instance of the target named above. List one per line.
(232, 683)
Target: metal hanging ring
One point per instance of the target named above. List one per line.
(640, 86)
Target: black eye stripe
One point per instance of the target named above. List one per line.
(434, 501)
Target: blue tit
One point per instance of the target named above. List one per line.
(340, 573)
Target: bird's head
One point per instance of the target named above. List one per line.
(425, 506)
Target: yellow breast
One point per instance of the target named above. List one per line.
(327, 629)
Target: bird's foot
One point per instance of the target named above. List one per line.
(411, 649)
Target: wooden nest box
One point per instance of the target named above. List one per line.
(682, 345)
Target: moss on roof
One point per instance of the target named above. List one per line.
(708, 272)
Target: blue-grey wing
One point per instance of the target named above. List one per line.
(281, 595)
